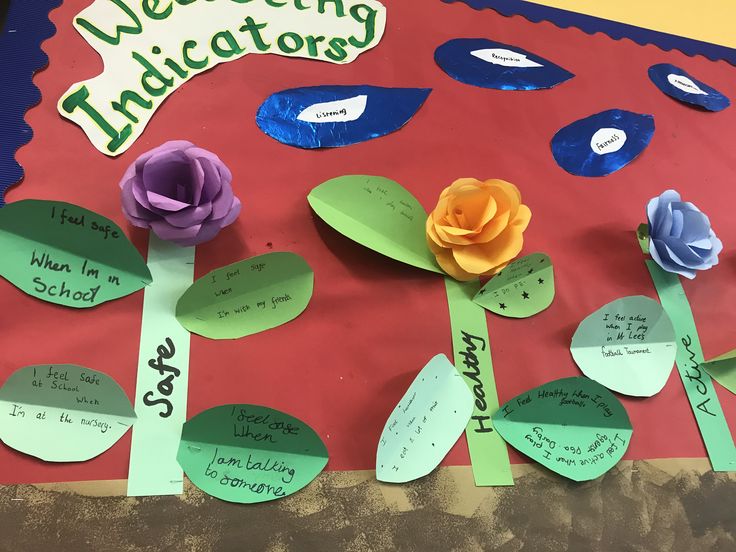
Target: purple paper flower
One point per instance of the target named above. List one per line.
(181, 192)
(680, 237)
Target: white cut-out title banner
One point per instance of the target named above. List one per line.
(151, 47)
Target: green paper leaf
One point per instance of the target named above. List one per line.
(63, 412)
(627, 345)
(247, 297)
(522, 289)
(247, 453)
(426, 423)
(68, 255)
(573, 426)
(723, 370)
(378, 213)
(642, 235)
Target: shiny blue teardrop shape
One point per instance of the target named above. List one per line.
(335, 116)
(678, 84)
(488, 64)
(602, 143)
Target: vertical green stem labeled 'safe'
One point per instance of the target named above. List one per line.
(698, 384)
(163, 368)
(472, 351)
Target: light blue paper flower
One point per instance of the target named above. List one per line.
(680, 237)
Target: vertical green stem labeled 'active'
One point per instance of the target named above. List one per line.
(472, 351)
(698, 384)
(163, 369)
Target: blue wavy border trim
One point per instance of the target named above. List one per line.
(591, 25)
(26, 26)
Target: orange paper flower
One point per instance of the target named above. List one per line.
(477, 227)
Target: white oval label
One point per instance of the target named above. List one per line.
(502, 56)
(685, 84)
(339, 111)
(607, 140)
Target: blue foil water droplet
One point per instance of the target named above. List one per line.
(678, 84)
(602, 143)
(335, 116)
(488, 64)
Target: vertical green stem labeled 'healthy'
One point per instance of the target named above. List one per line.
(472, 351)
(163, 368)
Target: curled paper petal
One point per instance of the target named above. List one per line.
(681, 239)
(334, 116)
(678, 84)
(477, 227)
(179, 191)
(602, 143)
(488, 64)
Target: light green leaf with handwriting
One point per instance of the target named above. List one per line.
(426, 423)
(573, 426)
(522, 289)
(68, 255)
(63, 412)
(378, 213)
(247, 297)
(628, 345)
(247, 453)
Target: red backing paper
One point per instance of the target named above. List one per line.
(373, 323)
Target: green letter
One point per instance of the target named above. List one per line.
(151, 71)
(149, 9)
(337, 44)
(370, 25)
(255, 32)
(192, 63)
(231, 42)
(77, 99)
(127, 96)
(298, 43)
(299, 5)
(114, 40)
(275, 4)
(339, 8)
(312, 44)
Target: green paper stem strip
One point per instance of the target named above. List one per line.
(698, 384)
(472, 352)
(163, 367)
